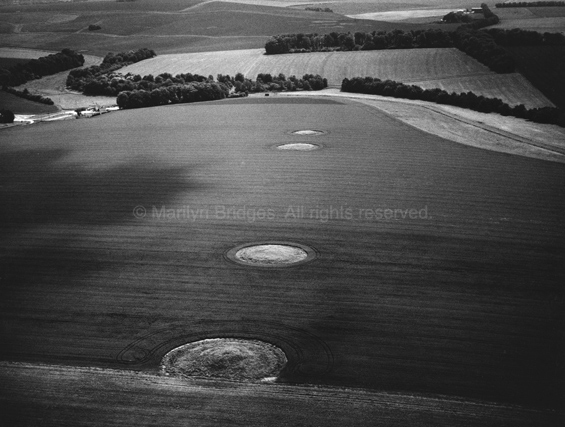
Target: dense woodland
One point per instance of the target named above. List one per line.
(37, 68)
(79, 79)
(478, 44)
(374, 86)
(530, 4)
(134, 91)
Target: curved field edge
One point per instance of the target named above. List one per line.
(481, 130)
(447, 67)
(107, 396)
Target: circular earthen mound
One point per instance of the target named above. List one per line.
(227, 358)
(299, 146)
(308, 132)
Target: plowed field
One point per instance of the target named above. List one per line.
(438, 270)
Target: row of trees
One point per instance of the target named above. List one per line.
(519, 37)
(374, 86)
(531, 4)
(265, 82)
(182, 88)
(174, 94)
(477, 44)
(113, 84)
(37, 68)
(80, 78)
(26, 94)
(481, 46)
(319, 9)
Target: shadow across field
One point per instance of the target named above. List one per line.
(36, 189)
(50, 209)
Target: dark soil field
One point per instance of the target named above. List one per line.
(23, 106)
(114, 232)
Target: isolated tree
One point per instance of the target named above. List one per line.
(6, 116)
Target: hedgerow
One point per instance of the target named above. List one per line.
(37, 68)
(374, 86)
(78, 79)
(167, 89)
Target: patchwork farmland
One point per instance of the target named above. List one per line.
(114, 248)
(448, 69)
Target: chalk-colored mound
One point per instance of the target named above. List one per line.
(308, 132)
(228, 358)
(299, 146)
(271, 254)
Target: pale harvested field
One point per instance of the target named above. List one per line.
(9, 52)
(145, 398)
(402, 65)
(487, 131)
(402, 15)
(550, 25)
(462, 301)
(512, 88)
(54, 87)
(449, 69)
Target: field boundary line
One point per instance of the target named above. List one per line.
(205, 383)
(513, 137)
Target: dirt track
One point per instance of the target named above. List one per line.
(55, 392)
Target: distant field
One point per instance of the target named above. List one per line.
(542, 19)
(550, 25)
(216, 18)
(356, 7)
(402, 15)
(447, 68)
(210, 26)
(108, 5)
(26, 54)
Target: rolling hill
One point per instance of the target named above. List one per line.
(449, 69)
(461, 301)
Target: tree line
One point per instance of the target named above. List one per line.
(469, 100)
(114, 83)
(80, 78)
(531, 4)
(319, 9)
(26, 94)
(173, 94)
(478, 44)
(519, 37)
(467, 38)
(135, 91)
(37, 68)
